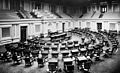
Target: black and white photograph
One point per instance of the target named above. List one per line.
(59, 36)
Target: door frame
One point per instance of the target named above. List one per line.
(21, 32)
(22, 25)
(99, 26)
(63, 27)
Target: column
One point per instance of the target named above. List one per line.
(58, 8)
(8, 4)
(48, 7)
(112, 8)
(95, 7)
(4, 4)
(91, 9)
(1, 4)
(42, 6)
(119, 6)
(117, 27)
(0, 34)
(30, 4)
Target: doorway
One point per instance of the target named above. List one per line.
(99, 26)
(63, 27)
(23, 33)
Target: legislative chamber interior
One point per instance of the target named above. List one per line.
(59, 36)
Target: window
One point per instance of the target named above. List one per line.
(112, 26)
(6, 32)
(37, 28)
(104, 8)
(99, 26)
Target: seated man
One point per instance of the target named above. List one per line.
(8, 56)
(16, 58)
(40, 62)
(29, 60)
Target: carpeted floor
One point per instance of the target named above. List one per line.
(109, 65)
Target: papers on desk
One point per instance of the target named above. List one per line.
(58, 35)
(65, 51)
(53, 60)
(83, 49)
(62, 46)
(70, 45)
(90, 48)
(67, 59)
(105, 48)
(76, 44)
(46, 39)
(54, 46)
(82, 58)
(75, 50)
(44, 52)
(54, 52)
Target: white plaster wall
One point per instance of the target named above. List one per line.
(17, 30)
(59, 26)
(31, 29)
(93, 26)
(66, 26)
(13, 31)
(44, 27)
(53, 27)
(104, 25)
(118, 27)
(83, 24)
(37, 33)
(76, 23)
(115, 25)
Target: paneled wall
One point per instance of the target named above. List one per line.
(36, 27)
